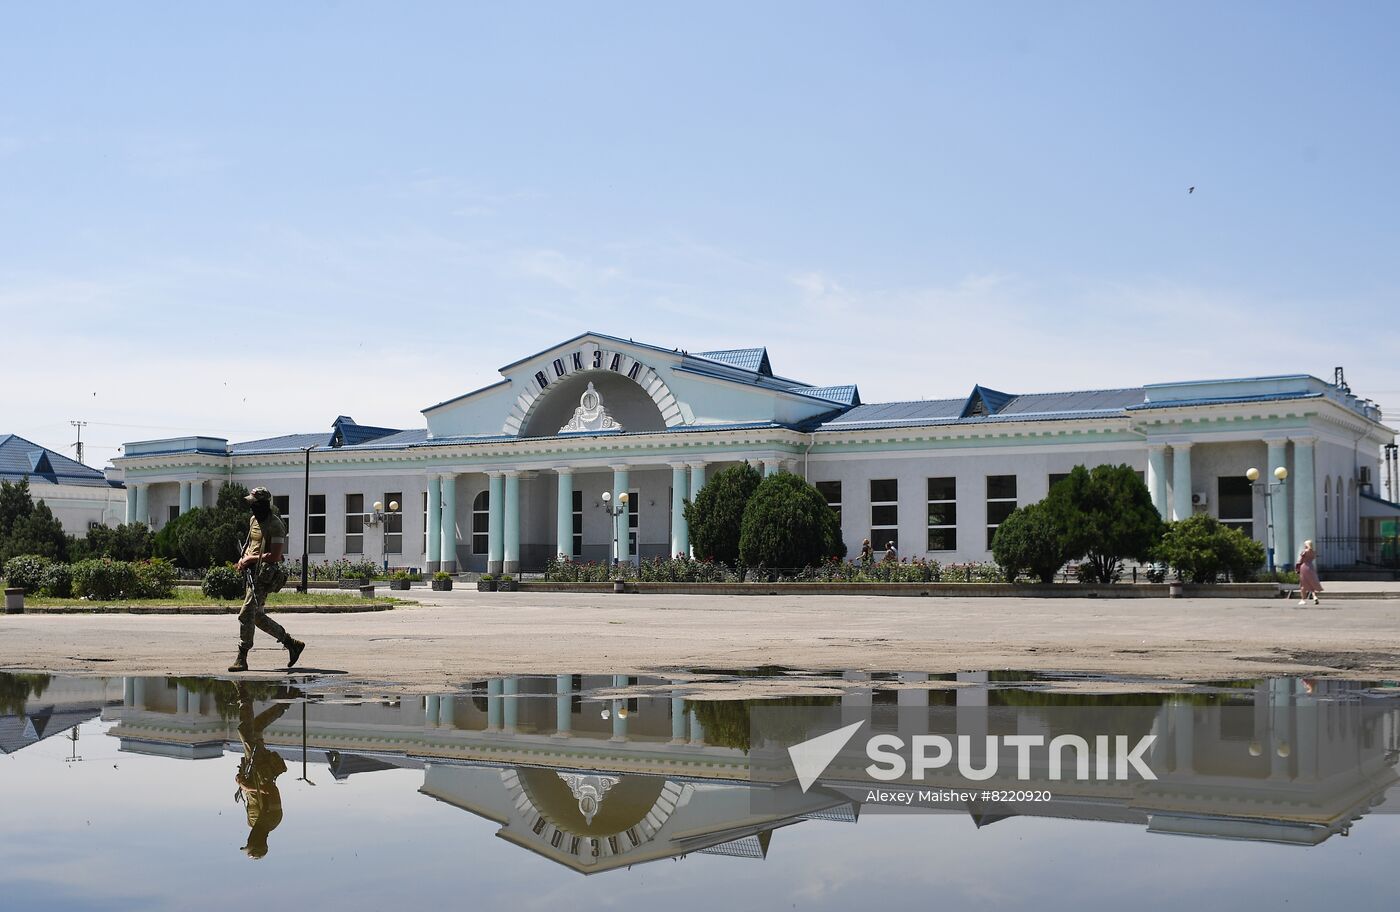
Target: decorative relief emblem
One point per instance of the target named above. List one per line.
(589, 790)
(590, 415)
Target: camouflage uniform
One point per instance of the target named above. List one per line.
(265, 537)
(261, 539)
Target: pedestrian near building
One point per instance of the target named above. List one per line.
(867, 554)
(260, 565)
(891, 552)
(1308, 583)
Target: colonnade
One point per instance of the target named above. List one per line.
(1294, 503)
(503, 516)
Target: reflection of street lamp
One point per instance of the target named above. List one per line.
(1267, 488)
(378, 517)
(615, 512)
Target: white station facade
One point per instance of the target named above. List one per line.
(508, 476)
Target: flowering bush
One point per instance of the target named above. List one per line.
(26, 572)
(57, 581)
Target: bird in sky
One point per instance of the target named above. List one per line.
(1190, 189)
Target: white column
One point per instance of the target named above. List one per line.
(197, 495)
(495, 522)
(511, 524)
(143, 512)
(130, 504)
(434, 520)
(1278, 502)
(448, 543)
(1181, 480)
(510, 695)
(680, 533)
(1304, 491)
(493, 704)
(564, 521)
(770, 466)
(184, 497)
(563, 705)
(620, 482)
(1157, 477)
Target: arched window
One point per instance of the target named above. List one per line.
(481, 523)
(1327, 507)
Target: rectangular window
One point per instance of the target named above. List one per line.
(393, 523)
(634, 521)
(316, 524)
(425, 524)
(1057, 477)
(172, 512)
(1236, 503)
(884, 513)
(942, 514)
(578, 524)
(1001, 501)
(831, 490)
(354, 524)
(282, 503)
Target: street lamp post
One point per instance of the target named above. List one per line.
(377, 518)
(1267, 487)
(305, 516)
(615, 512)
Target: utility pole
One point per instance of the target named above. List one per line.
(79, 445)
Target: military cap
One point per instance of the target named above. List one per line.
(257, 494)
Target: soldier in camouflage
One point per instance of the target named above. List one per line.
(267, 539)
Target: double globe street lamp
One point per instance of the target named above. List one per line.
(378, 518)
(615, 512)
(1267, 487)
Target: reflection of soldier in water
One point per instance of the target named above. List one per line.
(258, 772)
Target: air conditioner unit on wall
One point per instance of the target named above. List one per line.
(1199, 499)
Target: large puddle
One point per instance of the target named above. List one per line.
(180, 793)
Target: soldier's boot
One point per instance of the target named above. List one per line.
(241, 663)
(294, 648)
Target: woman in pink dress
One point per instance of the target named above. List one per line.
(1308, 583)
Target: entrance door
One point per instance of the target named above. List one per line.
(634, 516)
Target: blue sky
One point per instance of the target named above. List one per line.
(247, 220)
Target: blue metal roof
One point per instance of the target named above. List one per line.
(846, 395)
(344, 432)
(749, 359)
(21, 458)
(1000, 407)
(1271, 397)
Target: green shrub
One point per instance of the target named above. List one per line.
(223, 583)
(1200, 548)
(103, 579)
(155, 579)
(787, 525)
(1031, 539)
(442, 575)
(716, 514)
(26, 572)
(128, 542)
(1107, 516)
(57, 581)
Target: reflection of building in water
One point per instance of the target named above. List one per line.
(1286, 760)
(595, 782)
(37, 706)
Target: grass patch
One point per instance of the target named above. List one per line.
(194, 597)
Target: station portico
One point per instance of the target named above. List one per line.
(506, 477)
